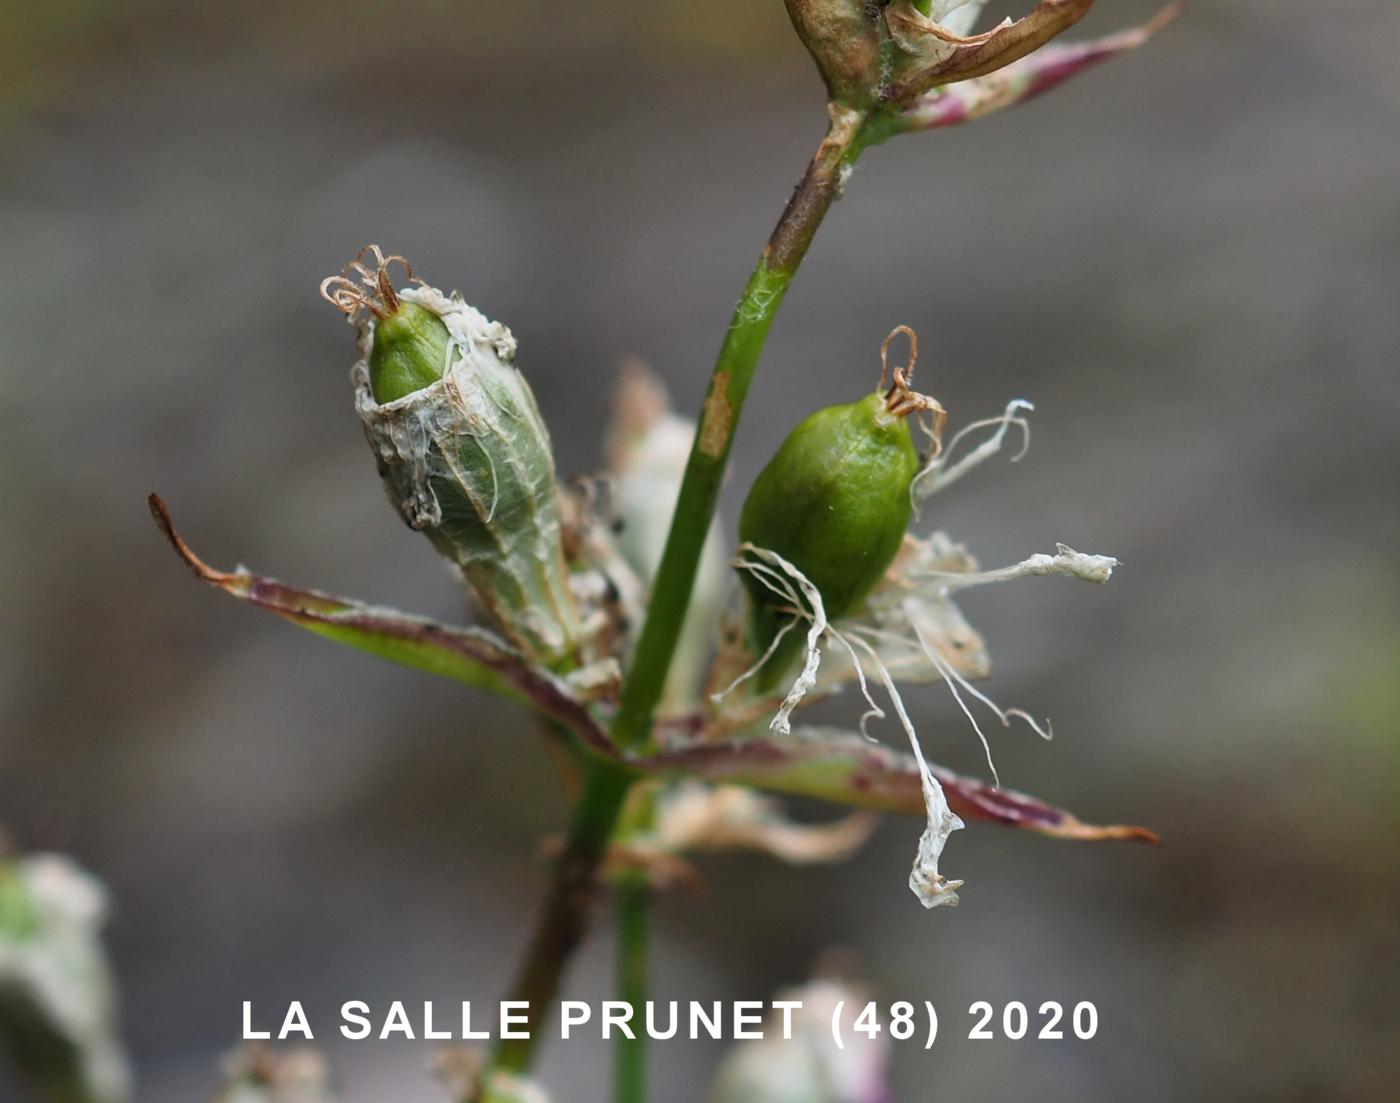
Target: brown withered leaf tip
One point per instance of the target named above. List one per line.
(161, 512)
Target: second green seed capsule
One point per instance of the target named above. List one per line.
(834, 502)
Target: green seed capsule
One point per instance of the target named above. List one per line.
(834, 502)
(463, 452)
(409, 352)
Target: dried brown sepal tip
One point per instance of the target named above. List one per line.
(1023, 80)
(358, 287)
(930, 55)
(901, 400)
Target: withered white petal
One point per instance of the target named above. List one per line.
(957, 16)
(694, 816)
(931, 887)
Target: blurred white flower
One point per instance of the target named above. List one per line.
(694, 816)
(461, 1070)
(258, 1074)
(648, 447)
(808, 1068)
(57, 997)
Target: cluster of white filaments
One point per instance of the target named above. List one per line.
(909, 618)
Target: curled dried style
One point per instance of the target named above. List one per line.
(901, 400)
(360, 288)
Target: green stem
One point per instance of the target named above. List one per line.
(709, 455)
(633, 942)
(564, 918)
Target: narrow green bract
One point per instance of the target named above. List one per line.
(466, 459)
(834, 502)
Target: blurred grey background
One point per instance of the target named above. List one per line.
(1189, 259)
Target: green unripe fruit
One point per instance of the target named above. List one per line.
(834, 502)
(409, 352)
(410, 345)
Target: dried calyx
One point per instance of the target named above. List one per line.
(461, 448)
(881, 56)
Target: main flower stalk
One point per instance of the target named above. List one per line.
(562, 923)
(719, 418)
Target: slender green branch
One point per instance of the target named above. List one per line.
(729, 387)
(565, 914)
(633, 943)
